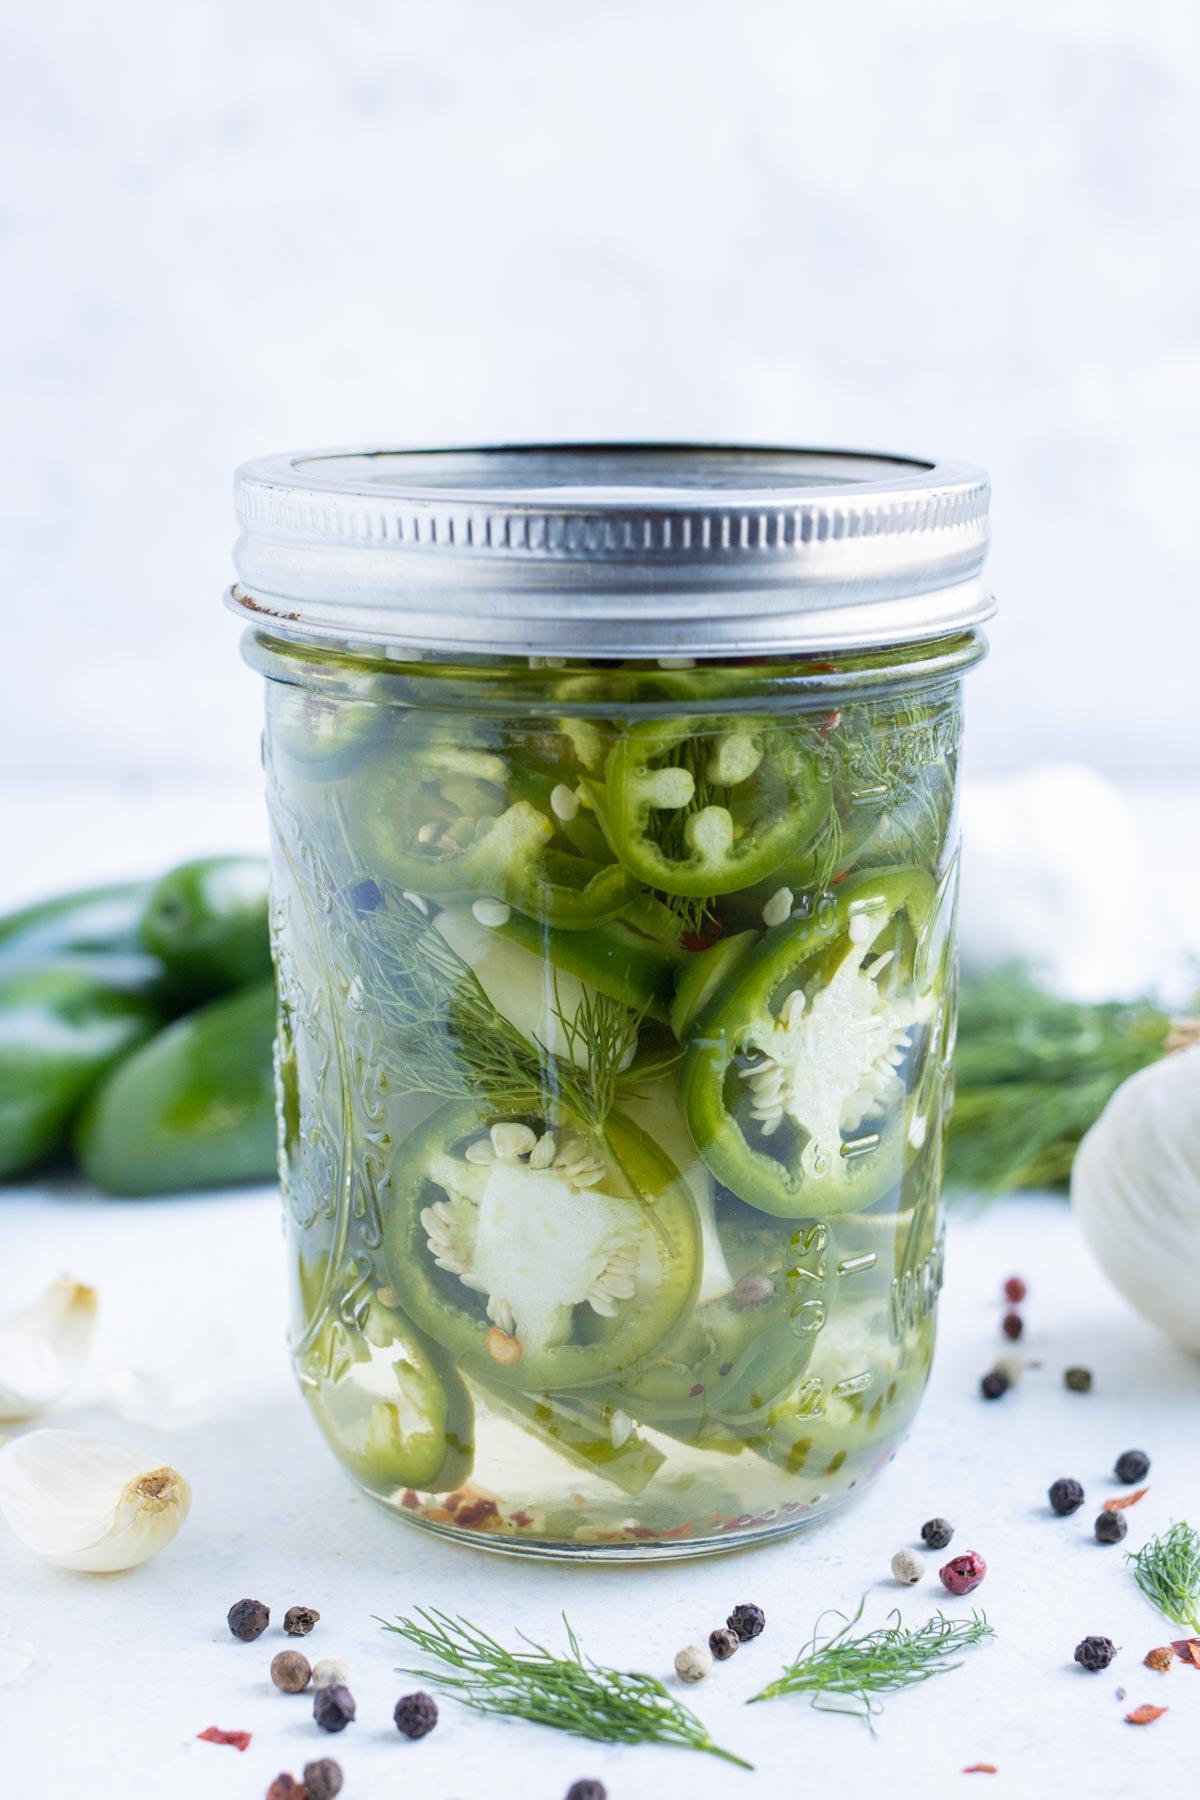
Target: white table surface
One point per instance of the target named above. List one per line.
(129, 1668)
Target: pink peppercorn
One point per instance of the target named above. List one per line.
(962, 1574)
(1015, 1289)
(1014, 1325)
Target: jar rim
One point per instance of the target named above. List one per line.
(615, 549)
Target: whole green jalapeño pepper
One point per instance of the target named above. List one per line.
(445, 823)
(63, 1024)
(208, 923)
(194, 1107)
(557, 1260)
(795, 1078)
(98, 920)
(697, 811)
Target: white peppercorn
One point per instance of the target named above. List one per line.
(908, 1567)
(693, 1663)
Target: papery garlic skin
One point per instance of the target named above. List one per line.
(43, 1346)
(83, 1503)
(1135, 1189)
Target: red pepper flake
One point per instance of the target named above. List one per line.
(1187, 1650)
(521, 1517)
(838, 879)
(1119, 1502)
(476, 1513)
(1144, 1715)
(703, 940)
(832, 722)
(411, 1499)
(286, 1787)
(214, 1735)
(980, 1769)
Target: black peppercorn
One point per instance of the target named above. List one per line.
(248, 1619)
(1095, 1653)
(994, 1384)
(415, 1714)
(322, 1779)
(1111, 1528)
(723, 1643)
(587, 1789)
(1132, 1465)
(333, 1708)
(746, 1622)
(1078, 1380)
(937, 1533)
(1013, 1325)
(1066, 1496)
(365, 896)
(298, 1621)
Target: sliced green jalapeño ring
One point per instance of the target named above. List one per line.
(321, 738)
(797, 1079)
(560, 1258)
(740, 1351)
(391, 1403)
(443, 822)
(698, 812)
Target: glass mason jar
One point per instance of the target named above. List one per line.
(615, 858)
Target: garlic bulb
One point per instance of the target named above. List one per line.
(86, 1504)
(1136, 1192)
(43, 1346)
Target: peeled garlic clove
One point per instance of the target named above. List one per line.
(83, 1503)
(43, 1346)
(1135, 1189)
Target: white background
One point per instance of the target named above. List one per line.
(230, 227)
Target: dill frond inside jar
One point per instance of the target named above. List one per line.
(615, 862)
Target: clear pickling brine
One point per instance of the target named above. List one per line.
(615, 1033)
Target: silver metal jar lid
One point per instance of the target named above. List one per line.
(614, 550)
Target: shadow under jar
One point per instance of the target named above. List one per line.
(613, 795)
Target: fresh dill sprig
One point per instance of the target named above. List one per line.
(448, 1038)
(694, 914)
(445, 1037)
(903, 757)
(601, 1037)
(1167, 1570)
(876, 1662)
(694, 917)
(1033, 1072)
(568, 1693)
